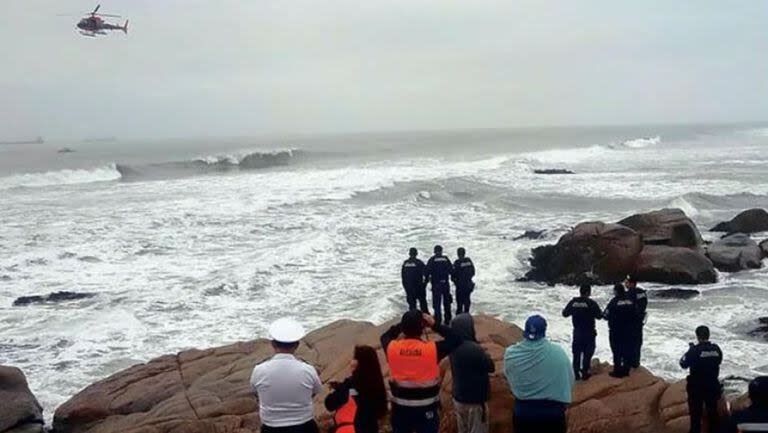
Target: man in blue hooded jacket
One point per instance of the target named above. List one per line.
(541, 379)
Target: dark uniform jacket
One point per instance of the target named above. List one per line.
(583, 313)
(463, 272)
(641, 302)
(704, 361)
(621, 313)
(438, 270)
(412, 273)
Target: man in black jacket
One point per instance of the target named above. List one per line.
(470, 367)
(583, 312)
(412, 275)
(463, 272)
(755, 417)
(703, 384)
(438, 272)
(621, 314)
(640, 297)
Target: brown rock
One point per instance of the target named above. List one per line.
(19, 409)
(207, 391)
(670, 227)
(591, 251)
(674, 265)
(735, 252)
(749, 221)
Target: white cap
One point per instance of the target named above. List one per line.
(286, 330)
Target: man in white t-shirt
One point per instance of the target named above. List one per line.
(285, 385)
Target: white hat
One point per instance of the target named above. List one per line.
(286, 330)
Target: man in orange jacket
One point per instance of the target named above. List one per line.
(414, 366)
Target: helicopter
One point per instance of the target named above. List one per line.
(93, 24)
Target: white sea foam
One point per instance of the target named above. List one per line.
(639, 143)
(61, 177)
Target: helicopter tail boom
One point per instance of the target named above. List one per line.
(125, 27)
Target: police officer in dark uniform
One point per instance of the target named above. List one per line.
(463, 272)
(641, 303)
(583, 312)
(703, 387)
(438, 272)
(412, 274)
(622, 317)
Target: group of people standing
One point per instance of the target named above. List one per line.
(626, 315)
(538, 371)
(438, 272)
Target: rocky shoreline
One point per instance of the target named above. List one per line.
(207, 391)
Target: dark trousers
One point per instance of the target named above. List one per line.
(637, 346)
(583, 348)
(414, 294)
(531, 416)
(415, 419)
(621, 346)
(698, 400)
(441, 297)
(308, 427)
(463, 293)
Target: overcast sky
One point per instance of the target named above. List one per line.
(251, 67)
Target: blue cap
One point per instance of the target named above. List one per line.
(535, 328)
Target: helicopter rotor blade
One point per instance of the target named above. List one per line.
(96, 10)
(108, 15)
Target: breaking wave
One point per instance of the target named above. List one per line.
(636, 143)
(153, 171)
(105, 173)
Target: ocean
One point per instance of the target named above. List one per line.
(199, 243)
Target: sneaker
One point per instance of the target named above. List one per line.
(616, 374)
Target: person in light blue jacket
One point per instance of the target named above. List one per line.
(541, 379)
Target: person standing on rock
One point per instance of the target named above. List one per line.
(463, 272)
(640, 297)
(541, 379)
(412, 275)
(583, 312)
(414, 369)
(755, 417)
(438, 272)
(360, 401)
(470, 367)
(703, 384)
(622, 316)
(284, 385)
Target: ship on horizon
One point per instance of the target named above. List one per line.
(38, 140)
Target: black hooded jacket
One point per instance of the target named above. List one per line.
(470, 364)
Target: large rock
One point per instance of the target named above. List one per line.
(19, 409)
(670, 227)
(590, 252)
(207, 391)
(764, 248)
(674, 265)
(749, 221)
(735, 252)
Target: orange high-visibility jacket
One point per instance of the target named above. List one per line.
(414, 372)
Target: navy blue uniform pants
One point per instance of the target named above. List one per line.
(441, 297)
(463, 292)
(414, 294)
(415, 419)
(699, 399)
(637, 346)
(583, 349)
(621, 346)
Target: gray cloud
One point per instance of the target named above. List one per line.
(275, 66)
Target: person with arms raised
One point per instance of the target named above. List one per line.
(360, 401)
(541, 379)
(285, 385)
(414, 369)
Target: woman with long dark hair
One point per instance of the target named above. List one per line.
(360, 401)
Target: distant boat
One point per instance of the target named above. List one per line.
(38, 140)
(100, 140)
